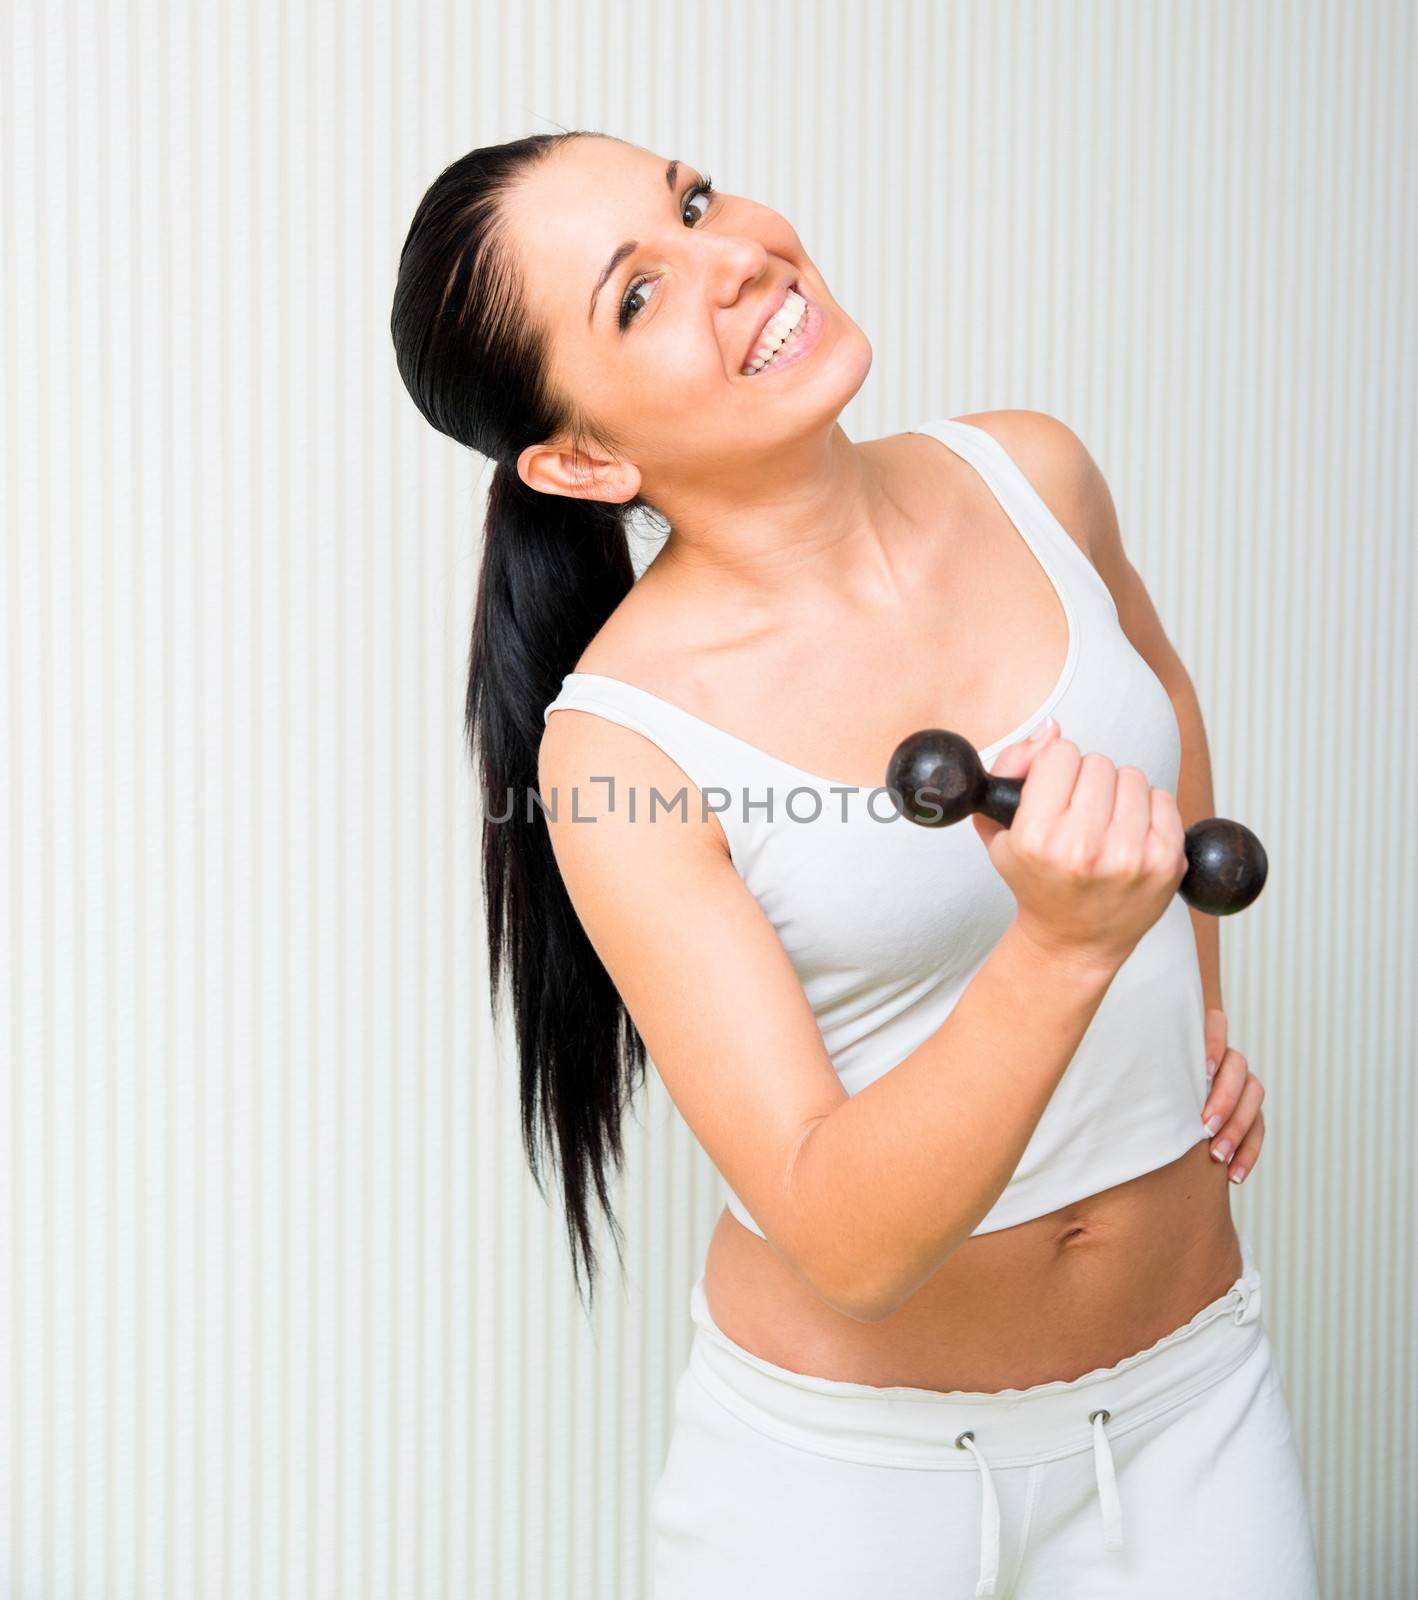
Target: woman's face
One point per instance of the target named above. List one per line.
(650, 343)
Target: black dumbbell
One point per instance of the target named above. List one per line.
(936, 779)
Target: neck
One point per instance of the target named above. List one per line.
(797, 531)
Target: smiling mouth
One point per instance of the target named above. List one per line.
(793, 300)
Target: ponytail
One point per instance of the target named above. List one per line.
(474, 357)
(553, 570)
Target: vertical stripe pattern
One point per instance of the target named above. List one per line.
(281, 1311)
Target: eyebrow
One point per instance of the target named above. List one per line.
(623, 250)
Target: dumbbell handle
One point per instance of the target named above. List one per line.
(936, 779)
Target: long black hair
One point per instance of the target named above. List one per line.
(474, 357)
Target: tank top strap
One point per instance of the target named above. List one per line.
(708, 756)
(1023, 503)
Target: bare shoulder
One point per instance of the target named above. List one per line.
(1070, 483)
(1055, 460)
(652, 630)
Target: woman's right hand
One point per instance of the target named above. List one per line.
(1093, 855)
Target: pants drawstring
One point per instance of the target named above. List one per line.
(989, 1519)
(1107, 1483)
(1249, 1308)
(989, 1501)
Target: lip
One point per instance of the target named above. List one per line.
(774, 306)
(803, 346)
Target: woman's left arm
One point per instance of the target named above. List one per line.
(1232, 1111)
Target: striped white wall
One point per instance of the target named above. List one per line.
(281, 1313)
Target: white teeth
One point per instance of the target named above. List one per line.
(781, 326)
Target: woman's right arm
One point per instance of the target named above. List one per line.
(901, 1172)
(863, 1196)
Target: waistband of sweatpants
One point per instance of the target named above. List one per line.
(901, 1425)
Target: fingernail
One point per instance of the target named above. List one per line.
(1221, 1149)
(1237, 1173)
(1210, 1067)
(1212, 1125)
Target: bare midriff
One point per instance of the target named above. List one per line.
(1051, 1298)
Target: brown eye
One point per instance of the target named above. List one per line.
(626, 314)
(706, 189)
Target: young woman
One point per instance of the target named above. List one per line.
(977, 1319)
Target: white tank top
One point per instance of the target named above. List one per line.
(886, 922)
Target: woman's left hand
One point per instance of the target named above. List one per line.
(1234, 1100)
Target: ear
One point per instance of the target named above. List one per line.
(560, 469)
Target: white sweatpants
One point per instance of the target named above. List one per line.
(1170, 1475)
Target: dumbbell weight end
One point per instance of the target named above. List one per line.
(936, 779)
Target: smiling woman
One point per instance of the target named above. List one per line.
(976, 1318)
